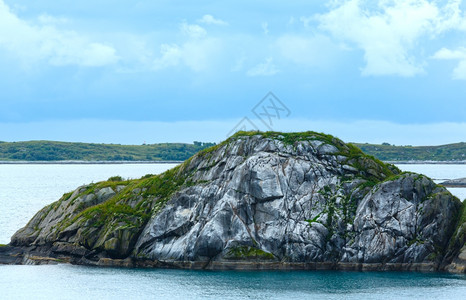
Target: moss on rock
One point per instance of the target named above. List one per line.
(247, 253)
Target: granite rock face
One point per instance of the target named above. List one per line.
(268, 199)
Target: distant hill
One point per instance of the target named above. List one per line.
(387, 152)
(60, 151)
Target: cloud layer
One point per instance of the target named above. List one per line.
(399, 61)
(394, 37)
(44, 41)
(390, 34)
(458, 54)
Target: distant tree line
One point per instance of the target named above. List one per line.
(387, 152)
(59, 151)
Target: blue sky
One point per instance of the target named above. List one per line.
(165, 71)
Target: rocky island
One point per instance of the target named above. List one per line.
(256, 201)
(460, 182)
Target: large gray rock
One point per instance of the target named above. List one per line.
(265, 199)
(270, 199)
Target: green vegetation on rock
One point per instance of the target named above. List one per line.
(247, 252)
(289, 137)
(459, 237)
(368, 166)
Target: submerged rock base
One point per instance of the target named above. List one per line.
(15, 255)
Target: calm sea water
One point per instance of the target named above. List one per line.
(24, 189)
(76, 282)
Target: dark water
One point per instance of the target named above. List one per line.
(77, 282)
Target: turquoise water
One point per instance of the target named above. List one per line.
(76, 282)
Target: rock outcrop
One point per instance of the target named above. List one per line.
(460, 182)
(256, 201)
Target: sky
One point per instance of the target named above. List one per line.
(154, 71)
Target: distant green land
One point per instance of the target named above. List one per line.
(63, 151)
(387, 152)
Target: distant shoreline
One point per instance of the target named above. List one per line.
(79, 162)
(426, 162)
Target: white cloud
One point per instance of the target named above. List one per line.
(309, 51)
(264, 69)
(32, 43)
(445, 53)
(51, 20)
(196, 55)
(265, 27)
(390, 32)
(171, 56)
(459, 54)
(91, 55)
(239, 64)
(210, 20)
(460, 71)
(306, 21)
(198, 52)
(193, 30)
(451, 17)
